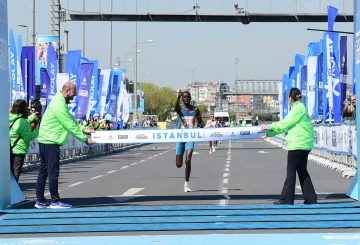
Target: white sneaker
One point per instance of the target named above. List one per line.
(187, 188)
(210, 151)
(213, 149)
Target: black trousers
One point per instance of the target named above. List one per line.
(50, 167)
(297, 162)
(16, 164)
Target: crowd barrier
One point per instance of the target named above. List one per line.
(73, 149)
(335, 142)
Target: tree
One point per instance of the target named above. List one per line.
(158, 100)
(202, 108)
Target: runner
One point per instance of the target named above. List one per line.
(187, 115)
(210, 123)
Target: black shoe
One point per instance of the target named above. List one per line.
(282, 202)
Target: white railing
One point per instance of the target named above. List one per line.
(74, 149)
(335, 145)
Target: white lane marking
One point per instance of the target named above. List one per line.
(131, 192)
(225, 181)
(96, 177)
(133, 163)
(319, 193)
(128, 195)
(223, 203)
(262, 152)
(77, 183)
(156, 155)
(99, 176)
(149, 157)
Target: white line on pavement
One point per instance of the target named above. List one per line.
(124, 167)
(96, 177)
(77, 183)
(112, 171)
(133, 164)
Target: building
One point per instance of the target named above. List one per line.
(204, 92)
(249, 96)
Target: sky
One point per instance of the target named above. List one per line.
(264, 50)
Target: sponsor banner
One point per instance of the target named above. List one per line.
(43, 43)
(176, 135)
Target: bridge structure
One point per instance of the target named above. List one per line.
(244, 12)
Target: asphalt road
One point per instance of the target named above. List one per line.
(239, 172)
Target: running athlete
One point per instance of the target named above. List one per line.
(187, 117)
(211, 124)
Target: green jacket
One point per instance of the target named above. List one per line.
(298, 128)
(22, 127)
(57, 122)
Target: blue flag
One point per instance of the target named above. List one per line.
(52, 71)
(83, 96)
(73, 68)
(44, 85)
(343, 69)
(13, 67)
(94, 94)
(318, 113)
(303, 83)
(28, 67)
(285, 89)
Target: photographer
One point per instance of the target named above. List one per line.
(349, 112)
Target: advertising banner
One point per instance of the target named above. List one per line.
(13, 67)
(343, 70)
(176, 135)
(43, 42)
(28, 67)
(73, 68)
(83, 96)
(94, 94)
(140, 101)
(313, 52)
(52, 69)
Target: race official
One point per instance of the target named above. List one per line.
(56, 123)
(299, 142)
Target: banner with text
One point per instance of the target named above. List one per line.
(176, 135)
(43, 42)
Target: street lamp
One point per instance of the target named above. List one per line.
(138, 51)
(136, 69)
(27, 33)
